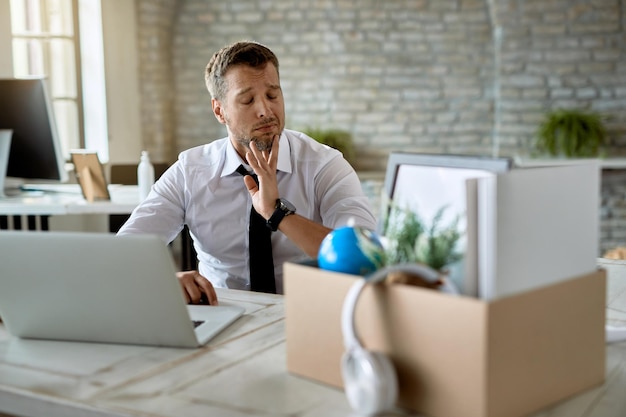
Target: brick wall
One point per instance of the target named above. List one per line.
(460, 76)
(561, 54)
(450, 76)
(613, 211)
(156, 22)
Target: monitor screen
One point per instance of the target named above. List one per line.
(35, 151)
(435, 188)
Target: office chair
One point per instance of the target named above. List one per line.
(126, 174)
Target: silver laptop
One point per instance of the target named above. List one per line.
(97, 287)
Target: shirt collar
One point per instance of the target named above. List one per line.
(233, 160)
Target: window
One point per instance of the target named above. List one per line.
(48, 41)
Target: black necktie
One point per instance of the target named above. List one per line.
(261, 259)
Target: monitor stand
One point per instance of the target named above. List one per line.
(13, 189)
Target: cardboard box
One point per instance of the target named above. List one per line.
(455, 355)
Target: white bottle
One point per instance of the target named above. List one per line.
(145, 175)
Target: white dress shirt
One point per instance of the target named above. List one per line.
(203, 191)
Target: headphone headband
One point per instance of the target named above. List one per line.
(350, 338)
(370, 379)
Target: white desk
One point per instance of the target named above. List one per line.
(32, 210)
(124, 198)
(241, 373)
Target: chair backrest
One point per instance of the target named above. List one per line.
(126, 174)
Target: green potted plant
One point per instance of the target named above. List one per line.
(335, 138)
(571, 133)
(409, 240)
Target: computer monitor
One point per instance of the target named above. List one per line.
(35, 151)
(397, 160)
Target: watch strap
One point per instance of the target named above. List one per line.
(279, 214)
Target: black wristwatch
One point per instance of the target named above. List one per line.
(283, 208)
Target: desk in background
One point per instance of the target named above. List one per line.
(32, 210)
(240, 373)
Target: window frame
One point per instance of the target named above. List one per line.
(124, 133)
(44, 35)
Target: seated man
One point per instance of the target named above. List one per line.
(300, 189)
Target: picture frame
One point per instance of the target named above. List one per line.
(90, 175)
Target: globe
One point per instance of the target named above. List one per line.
(351, 250)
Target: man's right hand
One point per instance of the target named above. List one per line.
(196, 288)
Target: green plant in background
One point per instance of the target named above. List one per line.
(335, 138)
(408, 240)
(571, 133)
(437, 248)
(402, 228)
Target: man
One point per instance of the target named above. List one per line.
(208, 191)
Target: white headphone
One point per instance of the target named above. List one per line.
(369, 378)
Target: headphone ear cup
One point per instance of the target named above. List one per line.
(370, 381)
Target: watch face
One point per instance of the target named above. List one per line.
(287, 206)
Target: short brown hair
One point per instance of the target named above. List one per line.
(248, 53)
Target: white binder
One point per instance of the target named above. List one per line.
(536, 227)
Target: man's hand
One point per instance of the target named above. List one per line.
(264, 165)
(196, 288)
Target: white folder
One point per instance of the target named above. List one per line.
(536, 227)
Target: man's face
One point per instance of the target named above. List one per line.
(253, 109)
